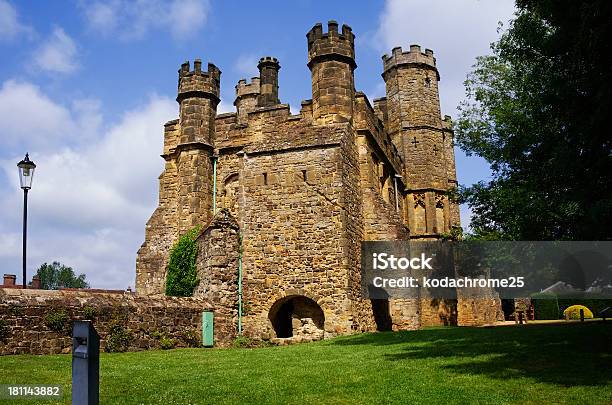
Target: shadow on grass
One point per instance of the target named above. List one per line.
(566, 355)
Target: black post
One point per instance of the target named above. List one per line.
(85, 364)
(25, 233)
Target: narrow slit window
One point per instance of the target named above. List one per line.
(265, 179)
(304, 175)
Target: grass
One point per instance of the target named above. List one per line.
(531, 364)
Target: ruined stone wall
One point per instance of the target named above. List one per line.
(25, 314)
(217, 265)
(478, 311)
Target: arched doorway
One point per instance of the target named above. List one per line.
(295, 307)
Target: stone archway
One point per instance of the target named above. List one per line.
(290, 313)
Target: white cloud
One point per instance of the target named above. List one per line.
(102, 17)
(225, 107)
(246, 65)
(57, 54)
(457, 31)
(186, 16)
(89, 201)
(133, 20)
(10, 27)
(31, 118)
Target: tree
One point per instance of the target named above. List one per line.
(538, 110)
(56, 275)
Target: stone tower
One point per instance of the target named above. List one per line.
(198, 96)
(422, 138)
(331, 60)
(185, 197)
(246, 97)
(268, 78)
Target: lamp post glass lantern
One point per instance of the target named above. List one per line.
(26, 174)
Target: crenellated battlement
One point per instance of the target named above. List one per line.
(198, 83)
(412, 57)
(268, 60)
(332, 44)
(243, 88)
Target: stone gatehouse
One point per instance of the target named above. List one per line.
(289, 197)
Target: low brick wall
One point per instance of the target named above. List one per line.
(40, 321)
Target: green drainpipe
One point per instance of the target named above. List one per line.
(214, 185)
(240, 288)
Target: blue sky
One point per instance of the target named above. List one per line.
(85, 87)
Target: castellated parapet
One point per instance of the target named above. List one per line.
(291, 197)
(246, 97)
(412, 57)
(331, 59)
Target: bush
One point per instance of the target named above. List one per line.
(119, 337)
(545, 306)
(57, 320)
(182, 275)
(16, 310)
(573, 312)
(247, 342)
(157, 334)
(89, 312)
(167, 343)
(191, 338)
(4, 330)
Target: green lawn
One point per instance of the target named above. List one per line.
(532, 364)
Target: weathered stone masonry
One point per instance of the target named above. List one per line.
(296, 194)
(24, 315)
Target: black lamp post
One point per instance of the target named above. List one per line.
(26, 173)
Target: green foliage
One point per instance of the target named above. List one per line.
(5, 331)
(537, 110)
(247, 342)
(57, 320)
(191, 338)
(16, 310)
(545, 306)
(573, 312)
(456, 233)
(182, 275)
(119, 337)
(167, 343)
(156, 334)
(242, 341)
(89, 312)
(56, 275)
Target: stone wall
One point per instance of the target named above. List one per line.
(25, 317)
(217, 265)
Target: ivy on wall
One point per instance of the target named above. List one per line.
(182, 275)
